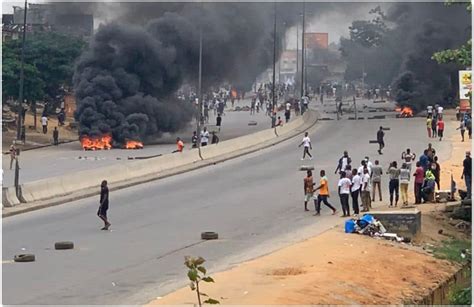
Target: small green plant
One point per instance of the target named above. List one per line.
(460, 296)
(454, 250)
(197, 273)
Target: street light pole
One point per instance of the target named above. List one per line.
(198, 132)
(274, 54)
(297, 52)
(302, 51)
(22, 78)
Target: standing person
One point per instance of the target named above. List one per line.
(56, 136)
(408, 157)
(365, 193)
(104, 204)
(355, 189)
(348, 172)
(194, 140)
(204, 137)
(429, 109)
(440, 128)
(13, 155)
(323, 194)
(179, 145)
(343, 162)
(404, 182)
(468, 123)
(377, 172)
(219, 121)
(44, 123)
(380, 135)
(215, 138)
(462, 127)
(467, 173)
(419, 178)
(287, 111)
(308, 189)
(434, 124)
(252, 105)
(257, 106)
(344, 189)
(436, 169)
(394, 183)
(307, 146)
(424, 160)
(428, 125)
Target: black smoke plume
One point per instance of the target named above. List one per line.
(124, 83)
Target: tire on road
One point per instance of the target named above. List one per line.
(306, 168)
(64, 245)
(24, 258)
(209, 235)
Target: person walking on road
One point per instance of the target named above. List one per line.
(394, 183)
(204, 137)
(434, 124)
(467, 173)
(440, 128)
(343, 162)
(365, 193)
(104, 204)
(13, 155)
(308, 189)
(56, 136)
(380, 141)
(307, 146)
(344, 189)
(287, 111)
(194, 140)
(355, 190)
(323, 194)
(428, 125)
(44, 123)
(377, 172)
(419, 178)
(219, 121)
(404, 182)
(215, 138)
(462, 127)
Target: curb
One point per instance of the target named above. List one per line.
(28, 207)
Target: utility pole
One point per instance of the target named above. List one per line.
(302, 52)
(274, 55)
(22, 79)
(297, 52)
(198, 132)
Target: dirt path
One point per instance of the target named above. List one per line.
(339, 268)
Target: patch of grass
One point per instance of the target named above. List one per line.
(460, 296)
(452, 250)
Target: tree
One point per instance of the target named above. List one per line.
(197, 273)
(461, 55)
(48, 66)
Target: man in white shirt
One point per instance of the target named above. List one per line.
(429, 109)
(44, 123)
(440, 110)
(344, 189)
(307, 146)
(355, 189)
(287, 111)
(366, 191)
(408, 157)
(204, 137)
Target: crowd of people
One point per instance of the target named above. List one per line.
(361, 184)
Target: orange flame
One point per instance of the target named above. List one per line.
(96, 143)
(133, 145)
(406, 112)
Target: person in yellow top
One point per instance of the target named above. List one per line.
(428, 125)
(323, 194)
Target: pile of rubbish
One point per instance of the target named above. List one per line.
(368, 225)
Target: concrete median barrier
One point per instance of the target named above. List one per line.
(86, 183)
(9, 198)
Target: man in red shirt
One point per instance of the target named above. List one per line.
(179, 145)
(419, 178)
(440, 128)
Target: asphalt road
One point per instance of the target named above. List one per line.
(66, 158)
(254, 202)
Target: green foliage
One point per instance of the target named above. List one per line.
(48, 65)
(453, 250)
(196, 274)
(461, 296)
(461, 56)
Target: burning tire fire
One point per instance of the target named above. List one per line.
(105, 143)
(133, 145)
(404, 112)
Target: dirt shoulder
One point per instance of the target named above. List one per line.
(339, 268)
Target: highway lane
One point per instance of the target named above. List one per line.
(254, 202)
